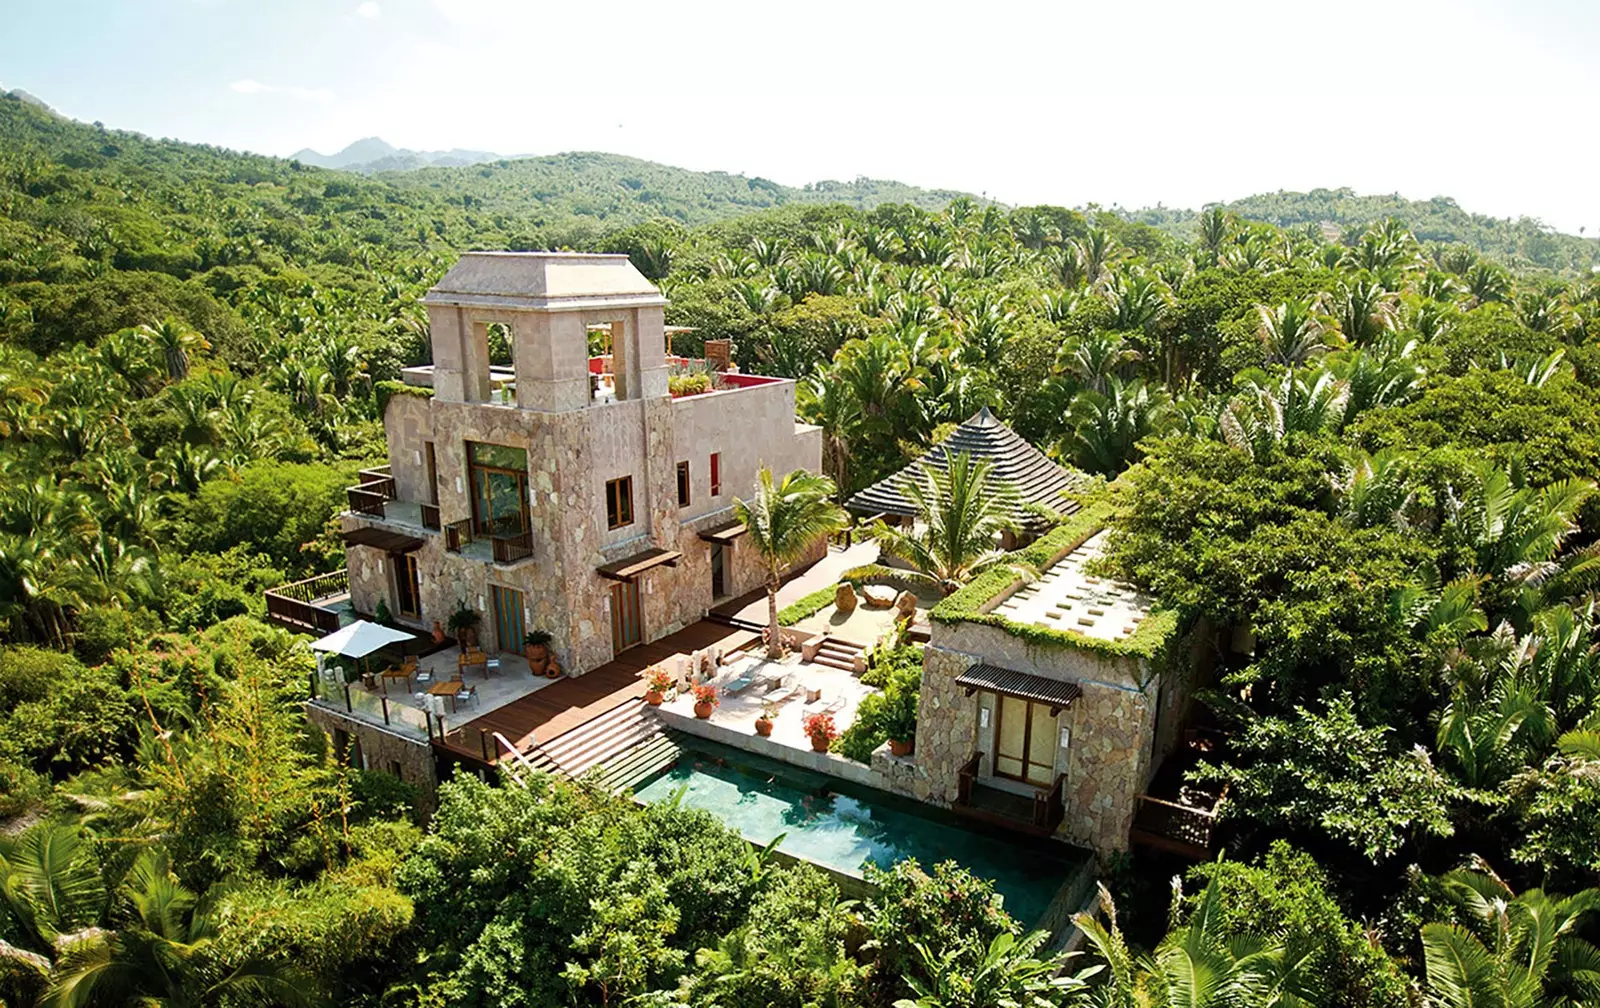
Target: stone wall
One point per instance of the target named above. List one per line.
(571, 456)
(409, 759)
(1108, 760)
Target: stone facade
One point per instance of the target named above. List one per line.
(372, 747)
(575, 444)
(1110, 755)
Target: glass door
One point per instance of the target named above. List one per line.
(1024, 741)
(507, 617)
(499, 489)
(719, 582)
(407, 585)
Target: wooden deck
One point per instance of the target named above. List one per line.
(541, 717)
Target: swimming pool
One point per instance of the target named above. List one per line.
(844, 827)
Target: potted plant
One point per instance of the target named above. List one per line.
(821, 730)
(769, 711)
(657, 681)
(536, 648)
(900, 720)
(464, 624)
(705, 700)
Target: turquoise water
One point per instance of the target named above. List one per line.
(831, 823)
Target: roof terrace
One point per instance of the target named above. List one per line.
(1066, 598)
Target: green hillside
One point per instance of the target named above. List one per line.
(1523, 241)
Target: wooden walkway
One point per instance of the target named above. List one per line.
(543, 716)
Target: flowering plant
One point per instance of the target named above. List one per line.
(658, 679)
(820, 726)
(705, 693)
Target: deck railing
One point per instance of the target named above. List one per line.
(375, 487)
(430, 516)
(1181, 825)
(510, 549)
(964, 778)
(458, 534)
(291, 604)
(1049, 806)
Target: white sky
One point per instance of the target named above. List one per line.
(1133, 103)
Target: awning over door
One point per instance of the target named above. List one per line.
(377, 538)
(724, 535)
(1022, 685)
(629, 568)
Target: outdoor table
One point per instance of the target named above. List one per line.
(446, 689)
(395, 672)
(473, 657)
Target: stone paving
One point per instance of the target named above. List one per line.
(750, 677)
(1065, 598)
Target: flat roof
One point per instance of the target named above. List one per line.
(1065, 598)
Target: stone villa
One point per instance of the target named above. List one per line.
(569, 493)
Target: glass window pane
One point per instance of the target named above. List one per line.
(1013, 727)
(499, 456)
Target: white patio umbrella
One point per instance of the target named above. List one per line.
(360, 639)
(357, 640)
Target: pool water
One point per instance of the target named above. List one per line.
(844, 827)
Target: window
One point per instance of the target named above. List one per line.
(619, 502)
(683, 484)
(499, 489)
(716, 473)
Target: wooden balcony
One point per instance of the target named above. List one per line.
(1167, 826)
(1038, 815)
(294, 606)
(374, 489)
(510, 549)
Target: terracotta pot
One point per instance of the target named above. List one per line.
(763, 727)
(653, 698)
(901, 747)
(438, 632)
(820, 743)
(702, 710)
(538, 656)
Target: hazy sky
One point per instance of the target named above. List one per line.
(1066, 102)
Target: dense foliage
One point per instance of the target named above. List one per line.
(1358, 459)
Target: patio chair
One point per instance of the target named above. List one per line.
(467, 694)
(423, 675)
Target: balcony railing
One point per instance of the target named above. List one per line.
(1048, 806)
(291, 604)
(510, 549)
(1038, 815)
(965, 778)
(458, 534)
(430, 516)
(1179, 829)
(368, 496)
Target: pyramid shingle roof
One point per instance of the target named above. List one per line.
(1035, 478)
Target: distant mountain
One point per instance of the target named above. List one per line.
(372, 155)
(1344, 213)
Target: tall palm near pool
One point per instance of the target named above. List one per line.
(960, 511)
(783, 520)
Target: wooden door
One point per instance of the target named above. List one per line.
(627, 629)
(507, 617)
(1024, 741)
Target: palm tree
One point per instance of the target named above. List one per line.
(174, 341)
(1106, 426)
(832, 406)
(1010, 975)
(164, 957)
(784, 520)
(1515, 531)
(1216, 225)
(1095, 358)
(51, 889)
(1197, 965)
(960, 512)
(1364, 310)
(1519, 951)
(1291, 333)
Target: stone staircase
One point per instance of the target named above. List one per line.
(839, 654)
(641, 762)
(613, 734)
